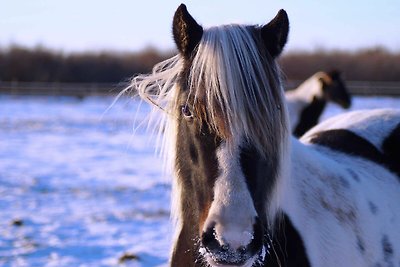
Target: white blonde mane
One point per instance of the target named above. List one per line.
(234, 80)
(159, 89)
(238, 81)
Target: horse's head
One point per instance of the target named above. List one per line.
(335, 90)
(231, 132)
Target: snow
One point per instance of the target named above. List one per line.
(79, 188)
(85, 188)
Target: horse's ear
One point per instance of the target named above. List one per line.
(275, 33)
(187, 33)
(323, 82)
(334, 74)
(324, 85)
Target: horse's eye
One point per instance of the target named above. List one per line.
(186, 112)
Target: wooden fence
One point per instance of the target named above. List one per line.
(84, 89)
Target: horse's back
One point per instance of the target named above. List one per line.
(364, 131)
(372, 125)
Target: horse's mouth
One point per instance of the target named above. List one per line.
(233, 259)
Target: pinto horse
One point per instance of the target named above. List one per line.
(307, 102)
(238, 172)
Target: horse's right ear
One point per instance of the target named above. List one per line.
(187, 33)
(275, 33)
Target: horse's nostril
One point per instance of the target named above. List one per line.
(209, 240)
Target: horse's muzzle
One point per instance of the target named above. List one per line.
(224, 255)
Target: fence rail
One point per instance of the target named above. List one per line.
(83, 89)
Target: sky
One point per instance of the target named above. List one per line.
(130, 25)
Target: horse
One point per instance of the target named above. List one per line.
(238, 173)
(307, 102)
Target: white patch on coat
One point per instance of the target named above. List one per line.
(232, 210)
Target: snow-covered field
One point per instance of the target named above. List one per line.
(78, 188)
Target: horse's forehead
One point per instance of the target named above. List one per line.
(217, 121)
(201, 106)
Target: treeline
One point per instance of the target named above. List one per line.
(43, 65)
(375, 64)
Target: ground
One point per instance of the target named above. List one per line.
(80, 187)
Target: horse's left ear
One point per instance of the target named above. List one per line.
(323, 83)
(334, 74)
(187, 33)
(275, 33)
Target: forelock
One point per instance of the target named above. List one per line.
(237, 84)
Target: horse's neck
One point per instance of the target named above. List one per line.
(309, 116)
(308, 167)
(300, 191)
(306, 91)
(300, 98)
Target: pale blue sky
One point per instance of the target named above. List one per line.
(127, 25)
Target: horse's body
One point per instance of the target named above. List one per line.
(345, 186)
(237, 169)
(307, 102)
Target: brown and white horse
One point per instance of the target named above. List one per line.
(238, 172)
(307, 102)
